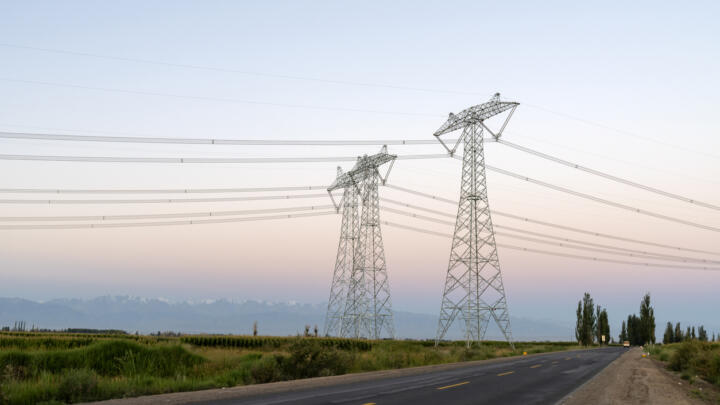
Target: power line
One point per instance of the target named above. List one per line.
(216, 99)
(558, 254)
(614, 250)
(107, 159)
(607, 176)
(157, 191)
(215, 141)
(164, 223)
(124, 217)
(244, 72)
(339, 82)
(602, 200)
(622, 132)
(164, 200)
(549, 224)
(641, 252)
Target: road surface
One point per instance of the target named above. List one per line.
(541, 379)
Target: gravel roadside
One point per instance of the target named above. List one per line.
(634, 379)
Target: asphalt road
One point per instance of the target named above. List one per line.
(543, 379)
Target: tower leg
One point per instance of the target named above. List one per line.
(343, 263)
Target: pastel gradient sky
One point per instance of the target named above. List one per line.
(644, 72)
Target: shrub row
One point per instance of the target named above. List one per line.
(251, 342)
(56, 343)
(108, 358)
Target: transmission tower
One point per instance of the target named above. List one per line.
(473, 285)
(359, 304)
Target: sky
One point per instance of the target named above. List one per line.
(630, 89)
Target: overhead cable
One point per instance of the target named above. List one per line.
(124, 217)
(216, 99)
(553, 225)
(558, 254)
(158, 191)
(243, 72)
(165, 200)
(602, 200)
(607, 176)
(164, 223)
(107, 159)
(614, 251)
(564, 239)
(215, 141)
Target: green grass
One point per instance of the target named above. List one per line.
(66, 368)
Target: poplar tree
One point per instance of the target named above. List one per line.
(647, 321)
(623, 333)
(702, 334)
(678, 333)
(669, 336)
(586, 320)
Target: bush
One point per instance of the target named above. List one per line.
(266, 370)
(684, 355)
(309, 358)
(77, 385)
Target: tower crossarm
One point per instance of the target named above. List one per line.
(475, 114)
(365, 167)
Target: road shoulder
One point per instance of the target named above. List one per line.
(634, 379)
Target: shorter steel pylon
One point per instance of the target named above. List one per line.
(360, 304)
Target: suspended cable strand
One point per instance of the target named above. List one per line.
(601, 200)
(606, 249)
(215, 99)
(558, 254)
(165, 223)
(243, 72)
(600, 245)
(211, 141)
(108, 159)
(158, 191)
(538, 222)
(166, 200)
(158, 216)
(608, 176)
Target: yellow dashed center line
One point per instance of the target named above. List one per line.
(369, 403)
(536, 366)
(505, 373)
(567, 358)
(454, 385)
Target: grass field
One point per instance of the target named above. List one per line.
(692, 359)
(65, 368)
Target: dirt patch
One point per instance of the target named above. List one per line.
(637, 380)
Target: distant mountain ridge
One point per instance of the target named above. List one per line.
(222, 316)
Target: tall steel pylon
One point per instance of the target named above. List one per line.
(359, 304)
(473, 284)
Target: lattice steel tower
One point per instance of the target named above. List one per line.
(473, 285)
(359, 304)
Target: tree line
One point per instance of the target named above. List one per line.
(592, 324)
(676, 334)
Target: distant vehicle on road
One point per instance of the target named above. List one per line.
(626, 343)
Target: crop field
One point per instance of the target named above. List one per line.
(54, 368)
